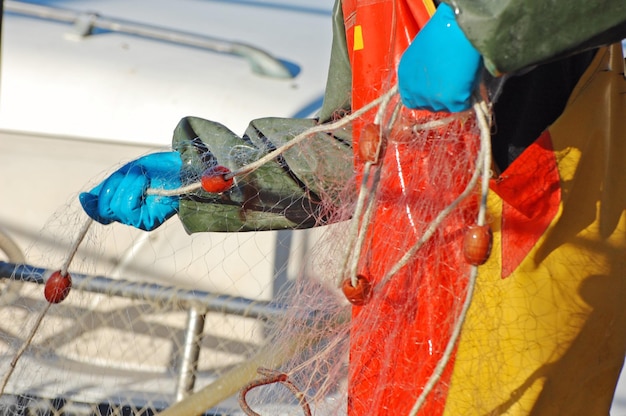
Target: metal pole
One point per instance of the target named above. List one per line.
(154, 292)
(190, 352)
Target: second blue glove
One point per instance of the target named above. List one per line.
(440, 69)
(122, 196)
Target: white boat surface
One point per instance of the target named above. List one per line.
(77, 100)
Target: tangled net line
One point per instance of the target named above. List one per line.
(356, 236)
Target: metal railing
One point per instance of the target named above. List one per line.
(197, 303)
(84, 23)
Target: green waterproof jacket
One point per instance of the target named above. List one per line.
(516, 34)
(302, 187)
(289, 192)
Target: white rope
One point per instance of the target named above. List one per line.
(251, 167)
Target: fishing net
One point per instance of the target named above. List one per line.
(274, 322)
(361, 314)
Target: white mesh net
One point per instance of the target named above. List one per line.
(251, 320)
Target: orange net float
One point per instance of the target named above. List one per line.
(477, 244)
(357, 295)
(57, 287)
(371, 144)
(214, 179)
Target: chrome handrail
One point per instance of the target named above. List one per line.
(260, 61)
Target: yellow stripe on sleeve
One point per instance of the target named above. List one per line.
(358, 38)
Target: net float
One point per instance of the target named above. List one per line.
(371, 143)
(477, 244)
(57, 287)
(214, 180)
(357, 295)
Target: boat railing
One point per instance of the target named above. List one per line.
(86, 23)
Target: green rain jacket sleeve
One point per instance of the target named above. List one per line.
(301, 188)
(517, 34)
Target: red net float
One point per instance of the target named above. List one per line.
(357, 295)
(371, 143)
(477, 244)
(214, 180)
(57, 287)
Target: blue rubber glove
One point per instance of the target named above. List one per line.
(440, 69)
(122, 196)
